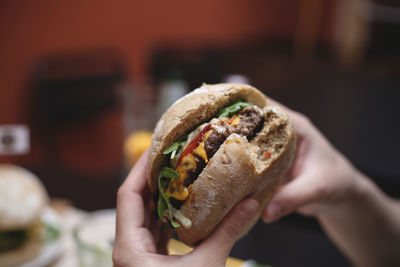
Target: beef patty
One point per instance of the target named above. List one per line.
(251, 120)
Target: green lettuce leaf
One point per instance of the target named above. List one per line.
(162, 206)
(173, 149)
(168, 172)
(232, 109)
(163, 199)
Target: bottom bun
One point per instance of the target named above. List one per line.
(28, 251)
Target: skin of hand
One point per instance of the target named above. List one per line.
(319, 178)
(141, 238)
(358, 217)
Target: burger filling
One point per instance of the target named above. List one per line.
(190, 156)
(12, 239)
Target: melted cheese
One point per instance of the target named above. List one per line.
(235, 121)
(200, 151)
(176, 188)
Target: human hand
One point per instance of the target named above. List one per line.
(141, 241)
(320, 178)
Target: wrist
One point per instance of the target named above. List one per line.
(351, 198)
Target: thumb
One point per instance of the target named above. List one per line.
(217, 247)
(290, 197)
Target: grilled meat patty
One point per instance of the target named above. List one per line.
(251, 120)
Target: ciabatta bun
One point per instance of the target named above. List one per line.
(239, 168)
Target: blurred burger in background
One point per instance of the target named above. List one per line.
(23, 227)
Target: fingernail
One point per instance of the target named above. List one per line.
(273, 212)
(249, 208)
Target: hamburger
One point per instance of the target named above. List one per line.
(212, 148)
(23, 199)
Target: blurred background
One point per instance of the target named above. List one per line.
(83, 83)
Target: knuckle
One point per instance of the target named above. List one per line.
(288, 205)
(303, 118)
(265, 217)
(321, 190)
(230, 230)
(288, 202)
(285, 200)
(232, 227)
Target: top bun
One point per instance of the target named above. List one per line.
(22, 198)
(190, 111)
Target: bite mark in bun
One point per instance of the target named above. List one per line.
(212, 148)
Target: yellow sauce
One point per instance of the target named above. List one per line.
(235, 121)
(200, 151)
(176, 188)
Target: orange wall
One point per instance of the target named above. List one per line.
(30, 29)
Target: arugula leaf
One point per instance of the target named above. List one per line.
(166, 205)
(232, 109)
(174, 223)
(173, 149)
(168, 172)
(162, 206)
(163, 199)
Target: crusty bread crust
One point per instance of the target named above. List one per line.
(237, 170)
